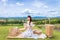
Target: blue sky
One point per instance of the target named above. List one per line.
(20, 8)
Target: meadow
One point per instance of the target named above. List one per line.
(4, 30)
(6, 24)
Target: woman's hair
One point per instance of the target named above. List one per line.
(30, 18)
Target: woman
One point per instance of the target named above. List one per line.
(28, 33)
(28, 29)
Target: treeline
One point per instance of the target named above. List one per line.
(10, 21)
(35, 21)
(47, 21)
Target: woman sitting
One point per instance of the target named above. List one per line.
(29, 32)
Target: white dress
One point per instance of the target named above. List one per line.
(28, 33)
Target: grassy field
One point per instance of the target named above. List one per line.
(5, 29)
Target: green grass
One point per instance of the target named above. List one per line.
(4, 32)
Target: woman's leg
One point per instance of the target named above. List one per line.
(37, 32)
(20, 36)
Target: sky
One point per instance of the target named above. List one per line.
(22, 8)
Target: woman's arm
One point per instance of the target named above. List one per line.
(24, 28)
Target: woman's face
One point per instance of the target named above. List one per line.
(28, 19)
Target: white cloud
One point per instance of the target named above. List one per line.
(11, 5)
(44, 9)
(35, 9)
(29, 10)
(40, 7)
(4, 0)
(37, 4)
(19, 4)
(4, 4)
